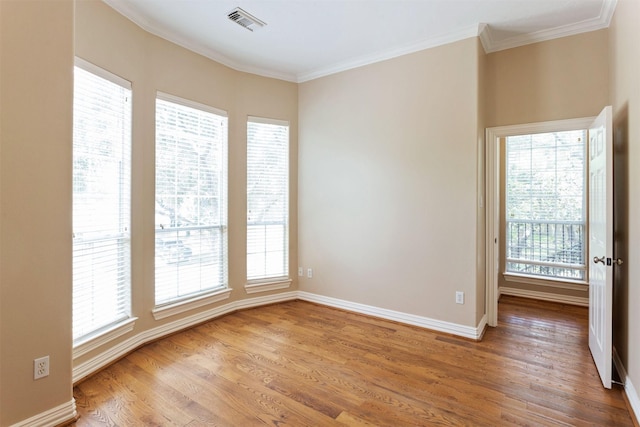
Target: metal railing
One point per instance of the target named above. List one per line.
(546, 248)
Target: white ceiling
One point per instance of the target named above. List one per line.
(307, 39)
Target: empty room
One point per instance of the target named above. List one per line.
(300, 212)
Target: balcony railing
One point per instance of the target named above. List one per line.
(546, 248)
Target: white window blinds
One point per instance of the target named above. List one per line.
(191, 199)
(545, 204)
(267, 199)
(101, 200)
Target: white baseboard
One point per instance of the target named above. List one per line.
(632, 395)
(113, 353)
(68, 411)
(397, 316)
(545, 296)
(53, 417)
(629, 389)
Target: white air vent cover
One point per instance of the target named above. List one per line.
(245, 19)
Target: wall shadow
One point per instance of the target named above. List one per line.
(621, 232)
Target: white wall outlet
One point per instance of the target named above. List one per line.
(300, 271)
(459, 297)
(41, 367)
(309, 273)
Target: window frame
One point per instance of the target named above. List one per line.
(219, 291)
(124, 322)
(582, 222)
(266, 282)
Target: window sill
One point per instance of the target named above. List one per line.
(93, 342)
(171, 309)
(272, 284)
(577, 285)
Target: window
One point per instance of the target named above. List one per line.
(191, 199)
(267, 199)
(545, 204)
(101, 200)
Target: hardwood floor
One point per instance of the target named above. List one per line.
(300, 364)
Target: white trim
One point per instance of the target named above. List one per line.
(51, 417)
(140, 20)
(492, 225)
(481, 327)
(265, 286)
(550, 283)
(266, 300)
(619, 365)
(441, 40)
(85, 346)
(102, 73)
(545, 296)
(171, 309)
(629, 389)
(593, 24)
(397, 316)
(542, 127)
(632, 395)
(267, 121)
(480, 30)
(114, 353)
(493, 197)
(167, 97)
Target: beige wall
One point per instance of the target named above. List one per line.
(36, 92)
(559, 79)
(37, 51)
(624, 59)
(388, 183)
(390, 170)
(152, 64)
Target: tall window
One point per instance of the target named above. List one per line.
(267, 199)
(545, 204)
(191, 199)
(101, 200)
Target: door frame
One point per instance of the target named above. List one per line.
(494, 204)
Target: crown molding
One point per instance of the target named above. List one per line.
(151, 27)
(491, 44)
(384, 55)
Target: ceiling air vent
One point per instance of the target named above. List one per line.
(245, 19)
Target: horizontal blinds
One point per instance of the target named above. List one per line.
(545, 204)
(101, 202)
(267, 199)
(545, 176)
(191, 199)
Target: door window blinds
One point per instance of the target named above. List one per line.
(267, 199)
(191, 199)
(101, 201)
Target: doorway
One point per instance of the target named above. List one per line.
(494, 200)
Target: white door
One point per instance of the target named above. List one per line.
(600, 256)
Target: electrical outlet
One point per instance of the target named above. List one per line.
(41, 367)
(309, 273)
(300, 271)
(459, 297)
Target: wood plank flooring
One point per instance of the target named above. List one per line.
(301, 364)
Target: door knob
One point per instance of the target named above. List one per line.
(618, 261)
(597, 260)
